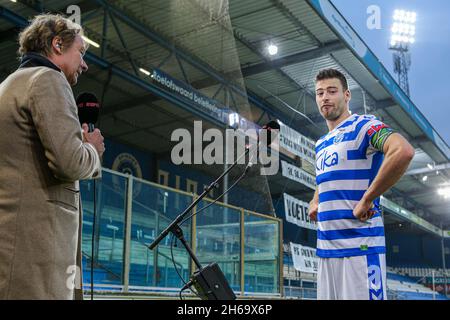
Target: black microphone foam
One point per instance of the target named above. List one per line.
(88, 109)
(271, 125)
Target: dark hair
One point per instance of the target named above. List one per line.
(330, 74)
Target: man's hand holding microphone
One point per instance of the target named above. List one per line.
(95, 138)
(88, 111)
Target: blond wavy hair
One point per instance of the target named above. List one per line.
(38, 36)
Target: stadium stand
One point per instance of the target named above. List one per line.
(403, 287)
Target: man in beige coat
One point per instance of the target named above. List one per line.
(43, 154)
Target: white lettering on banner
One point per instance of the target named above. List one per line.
(205, 102)
(297, 212)
(294, 173)
(305, 259)
(171, 85)
(297, 143)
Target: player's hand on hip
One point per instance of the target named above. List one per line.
(95, 138)
(313, 209)
(364, 210)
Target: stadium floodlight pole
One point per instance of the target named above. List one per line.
(402, 36)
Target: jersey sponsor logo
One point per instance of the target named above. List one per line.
(374, 129)
(326, 160)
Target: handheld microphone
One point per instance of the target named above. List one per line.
(88, 109)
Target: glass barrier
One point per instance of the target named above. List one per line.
(153, 208)
(217, 231)
(218, 239)
(262, 254)
(110, 198)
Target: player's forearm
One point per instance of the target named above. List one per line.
(396, 161)
(316, 195)
(315, 198)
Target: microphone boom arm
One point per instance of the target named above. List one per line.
(172, 227)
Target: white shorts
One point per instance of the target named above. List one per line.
(352, 278)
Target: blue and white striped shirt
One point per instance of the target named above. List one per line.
(346, 164)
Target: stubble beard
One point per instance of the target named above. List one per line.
(334, 114)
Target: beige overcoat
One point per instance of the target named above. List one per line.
(42, 157)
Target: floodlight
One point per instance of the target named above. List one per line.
(272, 49)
